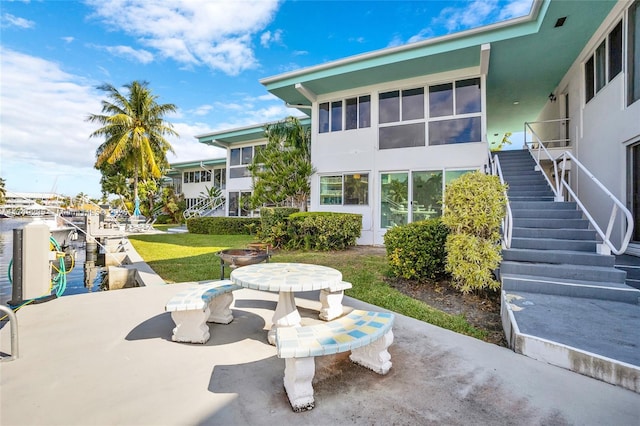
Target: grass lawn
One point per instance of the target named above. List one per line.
(191, 257)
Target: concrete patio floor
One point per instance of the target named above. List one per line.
(107, 359)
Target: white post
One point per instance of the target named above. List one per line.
(36, 273)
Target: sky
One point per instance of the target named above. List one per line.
(205, 57)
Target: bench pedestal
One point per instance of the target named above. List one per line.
(298, 375)
(331, 300)
(375, 356)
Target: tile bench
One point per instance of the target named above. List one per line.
(331, 300)
(366, 334)
(191, 309)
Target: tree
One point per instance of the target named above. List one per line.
(134, 130)
(282, 170)
(3, 192)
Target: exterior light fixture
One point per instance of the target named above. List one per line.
(552, 97)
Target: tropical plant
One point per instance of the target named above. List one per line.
(211, 193)
(3, 192)
(282, 170)
(134, 130)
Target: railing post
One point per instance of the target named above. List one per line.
(13, 323)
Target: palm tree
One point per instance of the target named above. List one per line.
(3, 191)
(134, 130)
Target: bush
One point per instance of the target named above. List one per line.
(273, 225)
(474, 209)
(219, 225)
(471, 260)
(163, 219)
(417, 250)
(323, 230)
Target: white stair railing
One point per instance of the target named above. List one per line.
(561, 186)
(507, 222)
(204, 207)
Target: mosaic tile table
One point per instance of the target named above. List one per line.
(286, 279)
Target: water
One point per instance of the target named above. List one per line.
(82, 271)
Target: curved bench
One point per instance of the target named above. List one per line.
(366, 334)
(193, 308)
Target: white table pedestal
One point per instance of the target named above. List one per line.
(286, 314)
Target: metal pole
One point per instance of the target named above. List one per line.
(16, 273)
(13, 322)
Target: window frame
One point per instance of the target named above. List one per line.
(342, 197)
(331, 110)
(599, 68)
(240, 170)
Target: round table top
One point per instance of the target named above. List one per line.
(286, 277)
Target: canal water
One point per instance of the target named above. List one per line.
(85, 277)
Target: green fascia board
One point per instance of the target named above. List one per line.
(178, 167)
(226, 138)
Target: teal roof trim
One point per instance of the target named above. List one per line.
(226, 138)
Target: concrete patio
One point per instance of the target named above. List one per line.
(107, 358)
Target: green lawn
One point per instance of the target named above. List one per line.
(191, 257)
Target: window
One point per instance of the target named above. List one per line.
(348, 189)
(336, 116)
(604, 64)
(357, 114)
(398, 106)
(413, 196)
(633, 54)
(240, 158)
(239, 203)
(449, 101)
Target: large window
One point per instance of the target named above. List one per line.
(197, 176)
(413, 196)
(633, 54)
(239, 203)
(240, 158)
(348, 114)
(604, 64)
(347, 189)
(399, 106)
(455, 112)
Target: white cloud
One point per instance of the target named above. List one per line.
(68, 39)
(299, 52)
(44, 138)
(127, 52)
(192, 32)
(202, 110)
(515, 9)
(268, 38)
(9, 20)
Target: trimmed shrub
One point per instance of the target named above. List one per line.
(323, 230)
(471, 260)
(474, 209)
(274, 222)
(219, 225)
(417, 250)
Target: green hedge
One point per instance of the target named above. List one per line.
(417, 250)
(219, 225)
(273, 225)
(323, 230)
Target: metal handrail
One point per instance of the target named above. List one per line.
(561, 184)
(607, 246)
(541, 149)
(206, 204)
(13, 322)
(507, 221)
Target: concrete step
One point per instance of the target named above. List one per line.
(546, 205)
(529, 194)
(523, 180)
(510, 173)
(564, 271)
(531, 197)
(553, 244)
(528, 186)
(550, 223)
(547, 214)
(555, 233)
(557, 257)
(611, 291)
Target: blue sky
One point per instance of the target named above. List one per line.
(206, 57)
